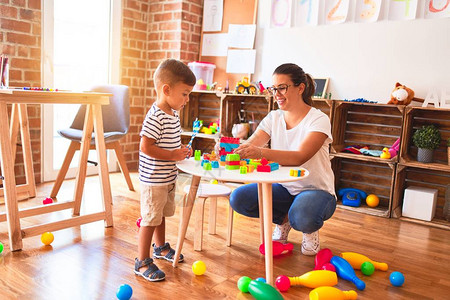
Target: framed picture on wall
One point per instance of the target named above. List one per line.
(321, 87)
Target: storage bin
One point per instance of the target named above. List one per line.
(419, 203)
(203, 71)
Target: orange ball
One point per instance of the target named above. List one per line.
(372, 200)
(47, 238)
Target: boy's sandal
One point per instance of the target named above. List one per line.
(153, 273)
(169, 256)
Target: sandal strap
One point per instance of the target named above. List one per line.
(153, 272)
(143, 263)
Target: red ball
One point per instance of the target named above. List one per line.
(283, 283)
(47, 201)
(138, 222)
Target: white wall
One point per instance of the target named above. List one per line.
(362, 60)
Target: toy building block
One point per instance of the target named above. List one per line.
(250, 168)
(264, 161)
(197, 155)
(297, 173)
(262, 168)
(243, 163)
(273, 166)
(243, 170)
(232, 167)
(215, 164)
(233, 163)
(232, 157)
(207, 166)
(204, 161)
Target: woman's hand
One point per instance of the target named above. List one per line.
(248, 151)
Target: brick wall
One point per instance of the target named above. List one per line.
(152, 30)
(20, 39)
(173, 31)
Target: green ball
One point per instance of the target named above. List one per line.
(243, 283)
(367, 268)
(1, 248)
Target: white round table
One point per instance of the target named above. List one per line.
(264, 180)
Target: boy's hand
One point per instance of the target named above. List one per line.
(182, 153)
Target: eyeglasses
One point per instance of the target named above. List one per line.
(282, 89)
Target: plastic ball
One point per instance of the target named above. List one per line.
(1, 248)
(261, 279)
(243, 283)
(283, 283)
(124, 292)
(138, 222)
(47, 238)
(47, 201)
(372, 200)
(198, 267)
(214, 181)
(397, 278)
(367, 268)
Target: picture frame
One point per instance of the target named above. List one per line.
(321, 87)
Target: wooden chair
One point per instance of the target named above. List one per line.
(212, 192)
(116, 122)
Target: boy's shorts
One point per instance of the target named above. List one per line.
(157, 202)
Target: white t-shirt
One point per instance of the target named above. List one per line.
(321, 175)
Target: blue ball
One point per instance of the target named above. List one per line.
(124, 292)
(261, 279)
(397, 278)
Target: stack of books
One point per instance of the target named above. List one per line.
(4, 71)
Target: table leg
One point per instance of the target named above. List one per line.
(261, 213)
(185, 216)
(267, 214)
(26, 148)
(9, 183)
(103, 164)
(84, 152)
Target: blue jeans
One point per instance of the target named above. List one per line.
(306, 211)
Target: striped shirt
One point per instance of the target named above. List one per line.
(166, 131)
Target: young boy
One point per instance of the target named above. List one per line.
(160, 148)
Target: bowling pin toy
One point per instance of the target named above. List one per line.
(345, 271)
(356, 260)
(311, 279)
(278, 248)
(331, 293)
(323, 257)
(263, 291)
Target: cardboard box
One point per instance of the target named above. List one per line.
(419, 203)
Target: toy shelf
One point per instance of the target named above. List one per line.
(416, 117)
(368, 176)
(417, 176)
(366, 124)
(251, 107)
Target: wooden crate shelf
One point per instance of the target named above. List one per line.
(417, 176)
(416, 117)
(368, 176)
(254, 107)
(366, 124)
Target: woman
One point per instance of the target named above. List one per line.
(299, 135)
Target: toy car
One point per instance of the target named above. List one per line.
(244, 86)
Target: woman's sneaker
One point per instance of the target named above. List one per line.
(310, 243)
(281, 232)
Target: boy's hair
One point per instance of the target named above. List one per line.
(172, 71)
(298, 76)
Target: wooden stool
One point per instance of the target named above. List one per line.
(212, 191)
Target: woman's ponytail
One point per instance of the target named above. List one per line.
(310, 89)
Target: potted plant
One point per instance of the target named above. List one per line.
(426, 140)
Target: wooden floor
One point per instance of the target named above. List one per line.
(91, 262)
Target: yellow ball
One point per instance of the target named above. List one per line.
(214, 181)
(198, 267)
(47, 238)
(372, 200)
